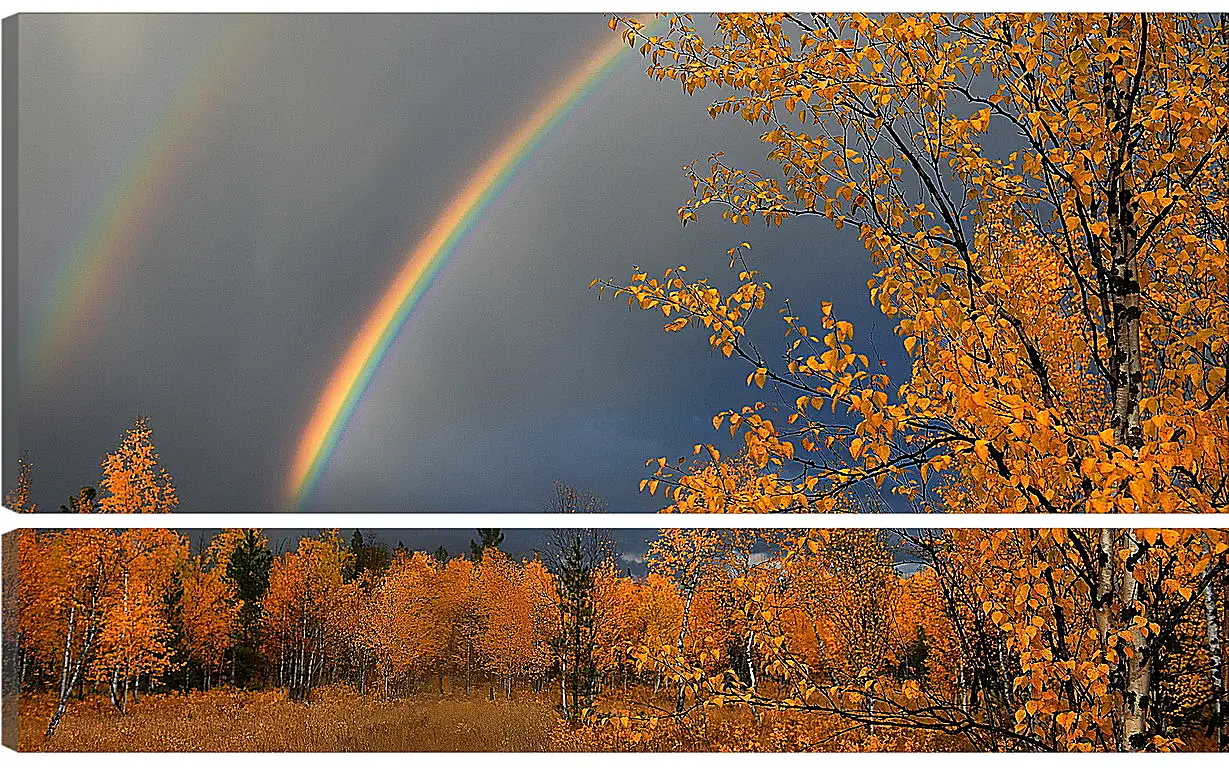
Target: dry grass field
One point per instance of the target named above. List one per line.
(337, 720)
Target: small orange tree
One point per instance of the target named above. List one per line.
(208, 613)
(133, 480)
(508, 645)
(463, 611)
(849, 590)
(543, 592)
(135, 631)
(304, 625)
(403, 626)
(18, 498)
(924, 646)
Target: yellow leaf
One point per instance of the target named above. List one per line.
(981, 449)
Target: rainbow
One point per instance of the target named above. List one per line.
(113, 232)
(353, 373)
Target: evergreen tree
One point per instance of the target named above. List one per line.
(249, 568)
(179, 676)
(82, 503)
(913, 665)
(575, 555)
(355, 565)
(578, 625)
(491, 539)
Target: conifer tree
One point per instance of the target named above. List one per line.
(575, 556)
(248, 569)
(491, 538)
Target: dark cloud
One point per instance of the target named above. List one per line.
(333, 145)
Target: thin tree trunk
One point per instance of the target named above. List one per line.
(21, 663)
(66, 682)
(114, 688)
(750, 659)
(1126, 367)
(313, 670)
(1139, 663)
(1215, 655)
(679, 699)
(469, 665)
(75, 678)
(1105, 583)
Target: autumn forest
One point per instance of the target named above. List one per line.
(1043, 199)
(765, 640)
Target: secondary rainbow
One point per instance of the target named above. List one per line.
(113, 232)
(423, 262)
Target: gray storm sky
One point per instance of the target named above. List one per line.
(289, 163)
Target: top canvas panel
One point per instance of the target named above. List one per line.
(370, 263)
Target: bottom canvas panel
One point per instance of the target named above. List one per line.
(526, 640)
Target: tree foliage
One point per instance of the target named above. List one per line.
(1044, 197)
(133, 480)
(959, 639)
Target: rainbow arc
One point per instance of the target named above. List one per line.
(113, 234)
(353, 373)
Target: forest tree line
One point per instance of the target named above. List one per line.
(988, 637)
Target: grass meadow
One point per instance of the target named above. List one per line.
(337, 720)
